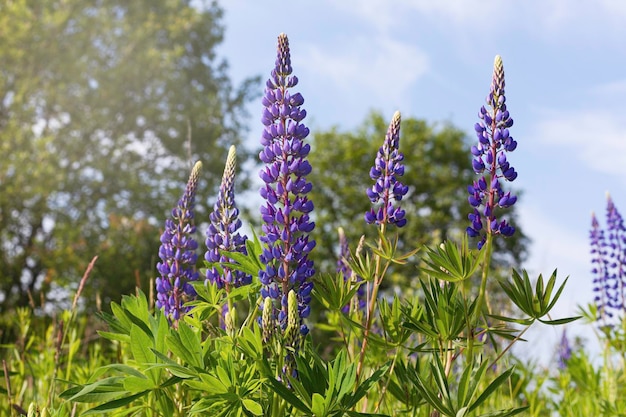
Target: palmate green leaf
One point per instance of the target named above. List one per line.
(505, 413)
(318, 406)
(173, 367)
(98, 391)
(500, 379)
(288, 396)
(450, 262)
(387, 249)
(364, 387)
(252, 406)
(112, 405)
(535, 304)
(140, 346)
(185, 345)
(137, 384)
(468, 384)
(333, 292)
(357, 414)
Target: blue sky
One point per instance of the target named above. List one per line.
(565, 75)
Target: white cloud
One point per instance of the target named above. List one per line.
(379, 68)
(596, 137)
(489, 15)
(613, 88)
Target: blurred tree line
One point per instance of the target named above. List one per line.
(104, 106)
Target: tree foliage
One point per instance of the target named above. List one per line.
(438, 171)
(103, 104)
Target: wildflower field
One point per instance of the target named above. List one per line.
(243, 324)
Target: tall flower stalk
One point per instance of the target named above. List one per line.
(178, 254)
(486, 195)
(608, 259)
(385, 195)
(616, 253)
(223, 234)
(286, 221)
(599, 269)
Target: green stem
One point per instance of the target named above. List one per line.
(488, 247)
(510, 345)
(378, 278)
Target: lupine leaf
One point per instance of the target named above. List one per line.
(505, 413)
(112, 405)
(288, 396)
(252, 406)
(491, 388)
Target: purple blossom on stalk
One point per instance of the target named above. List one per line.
(178, 254)
(223, 234)
(564, 351)
(286, 211)
(599, 270)
(486, 195)
(616, 245)
(387, 189)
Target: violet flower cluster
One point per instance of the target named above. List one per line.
(564, 351)
(178, 254)
(223, 235)
(486, 195)
(387, 189)
(286, 221)
(608, 258)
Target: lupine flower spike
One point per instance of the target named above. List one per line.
(223, 234)
(599, 270)
(486, 195)
(387, 189)
(178, 254)
(616, 256)
(564, 351)
(286, 210)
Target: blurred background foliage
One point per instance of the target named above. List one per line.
(104, 105)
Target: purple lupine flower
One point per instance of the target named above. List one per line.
(616, 256)
(223, 234)
(286, 211)
(564, 351)
(387, 189)
(599, 270)
(494, 142)
(178, 254)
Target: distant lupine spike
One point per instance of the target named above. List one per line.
(223, 234)
(178, 254)
(348, 275)
(286, 221)
(616, 256)
(486, 195)
(564, 351)
(599, 270)
(387, 190)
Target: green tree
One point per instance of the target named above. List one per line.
(438, 170)
(104, 105)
